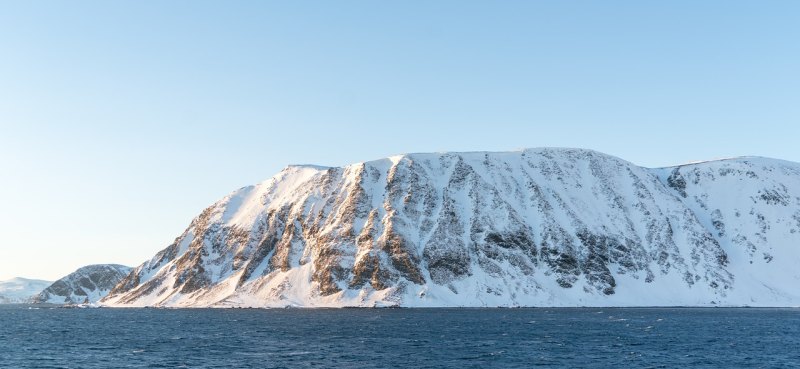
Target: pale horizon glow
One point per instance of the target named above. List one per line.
(120, 121)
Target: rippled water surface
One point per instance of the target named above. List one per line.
(418, 338)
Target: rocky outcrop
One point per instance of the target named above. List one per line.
(551, 227)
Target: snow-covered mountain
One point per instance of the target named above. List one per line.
(20, 290)
(538, 227)
(86, 285)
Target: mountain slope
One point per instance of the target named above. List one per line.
(20, 290)
(555, 227)
(86, 285)
(752, 207)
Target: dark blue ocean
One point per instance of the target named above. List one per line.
(387, 338)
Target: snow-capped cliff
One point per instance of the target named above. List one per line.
(539, 227)
(86, 285)
(20, 290)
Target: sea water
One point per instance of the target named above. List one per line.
(48, 337)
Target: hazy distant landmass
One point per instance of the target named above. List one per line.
(20, 290)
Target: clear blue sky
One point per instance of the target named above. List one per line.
(121, 120)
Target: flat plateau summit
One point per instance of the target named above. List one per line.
(537, 227)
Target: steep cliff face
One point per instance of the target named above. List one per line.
(556, 227)
(20, 290)
(86, 285)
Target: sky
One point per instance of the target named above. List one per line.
(120, 121)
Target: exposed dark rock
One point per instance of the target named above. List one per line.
(677, 182)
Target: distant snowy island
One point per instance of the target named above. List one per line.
(20, 290)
